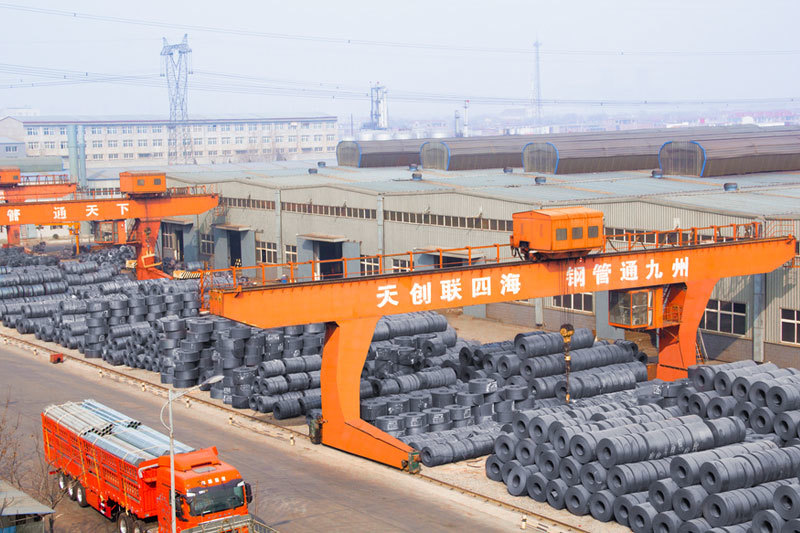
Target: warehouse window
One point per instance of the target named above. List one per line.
(725, 317)
(266, 252)
(290, 251)
(168, 240)
(370, 266)
(790, 326)
(401, 265)
(583, 301)
(206, 244)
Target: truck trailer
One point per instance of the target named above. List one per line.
(119, 466)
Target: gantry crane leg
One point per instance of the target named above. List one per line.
(346, 346)
(677, 342)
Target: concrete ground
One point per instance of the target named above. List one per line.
(298, 486)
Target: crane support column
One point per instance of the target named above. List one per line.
(677, 342)
(346, 347)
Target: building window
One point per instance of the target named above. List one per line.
(62, 130)
(97, 156)
(290, 251)
(264, 139)
(48, 131)
(127, 130)
(96, 130)
(142, 143)
(111, 130)
(212, 127)
(266, 252)
(128, 143)
(11, 149)
(113, 143)
(33, 146)
(583, 301)
(252, 140)
(49, 144)
(63, 145)
(790, 326)
(32, 131)
(158, 154)
(265, 126)
(206, 244)
(158, 142)
(318, 138)
(239, 140)
(226, 152)
(252, 126)
(141, 129)
(168, 240)
(304, 138)
(401, 265)
(370, 266)
(97, 144)
(278, 139)
(197, 128)
(156, 129)
(330, 137)
(292, 150)
(113, 156)
(127, 156)
(225, 127)
(212, 152)
(225, 140)
(318, 148)
(725, 317)
(198, 140)
(239, 127)
(292, 138)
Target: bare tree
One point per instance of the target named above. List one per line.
(10, 443)
(40, 481)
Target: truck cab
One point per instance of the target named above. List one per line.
(206, 489)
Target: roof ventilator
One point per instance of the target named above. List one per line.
(312, 170)
(508, 170)
(416, 176)
(731, 186)
(657, 174)
(321, 164)
(540, 180)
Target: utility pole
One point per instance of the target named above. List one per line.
(176, 66)
(465, 129)
(537, 84)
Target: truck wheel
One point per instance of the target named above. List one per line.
(63, 481)
(71, 489)
(139, 527)
(80, 495)
(124, 523)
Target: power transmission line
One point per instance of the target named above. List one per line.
(389, 44)
(228, 83)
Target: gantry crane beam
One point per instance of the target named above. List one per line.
(351, 308)
(147, 211)
(32, 188)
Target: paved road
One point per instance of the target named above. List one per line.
(295, 489)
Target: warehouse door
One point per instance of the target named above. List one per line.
(234, 248)
(328, 251)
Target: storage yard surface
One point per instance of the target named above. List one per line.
(298, 487)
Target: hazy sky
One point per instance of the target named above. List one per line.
(675, 50)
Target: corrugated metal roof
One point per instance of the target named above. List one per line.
(539, 193)
(16, 502)
(746, 203)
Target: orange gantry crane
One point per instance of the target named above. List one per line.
(15, 188)
(144, 198)
(657, 280)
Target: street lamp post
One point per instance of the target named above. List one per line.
(168, 406)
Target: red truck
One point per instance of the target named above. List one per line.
(121, 467)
